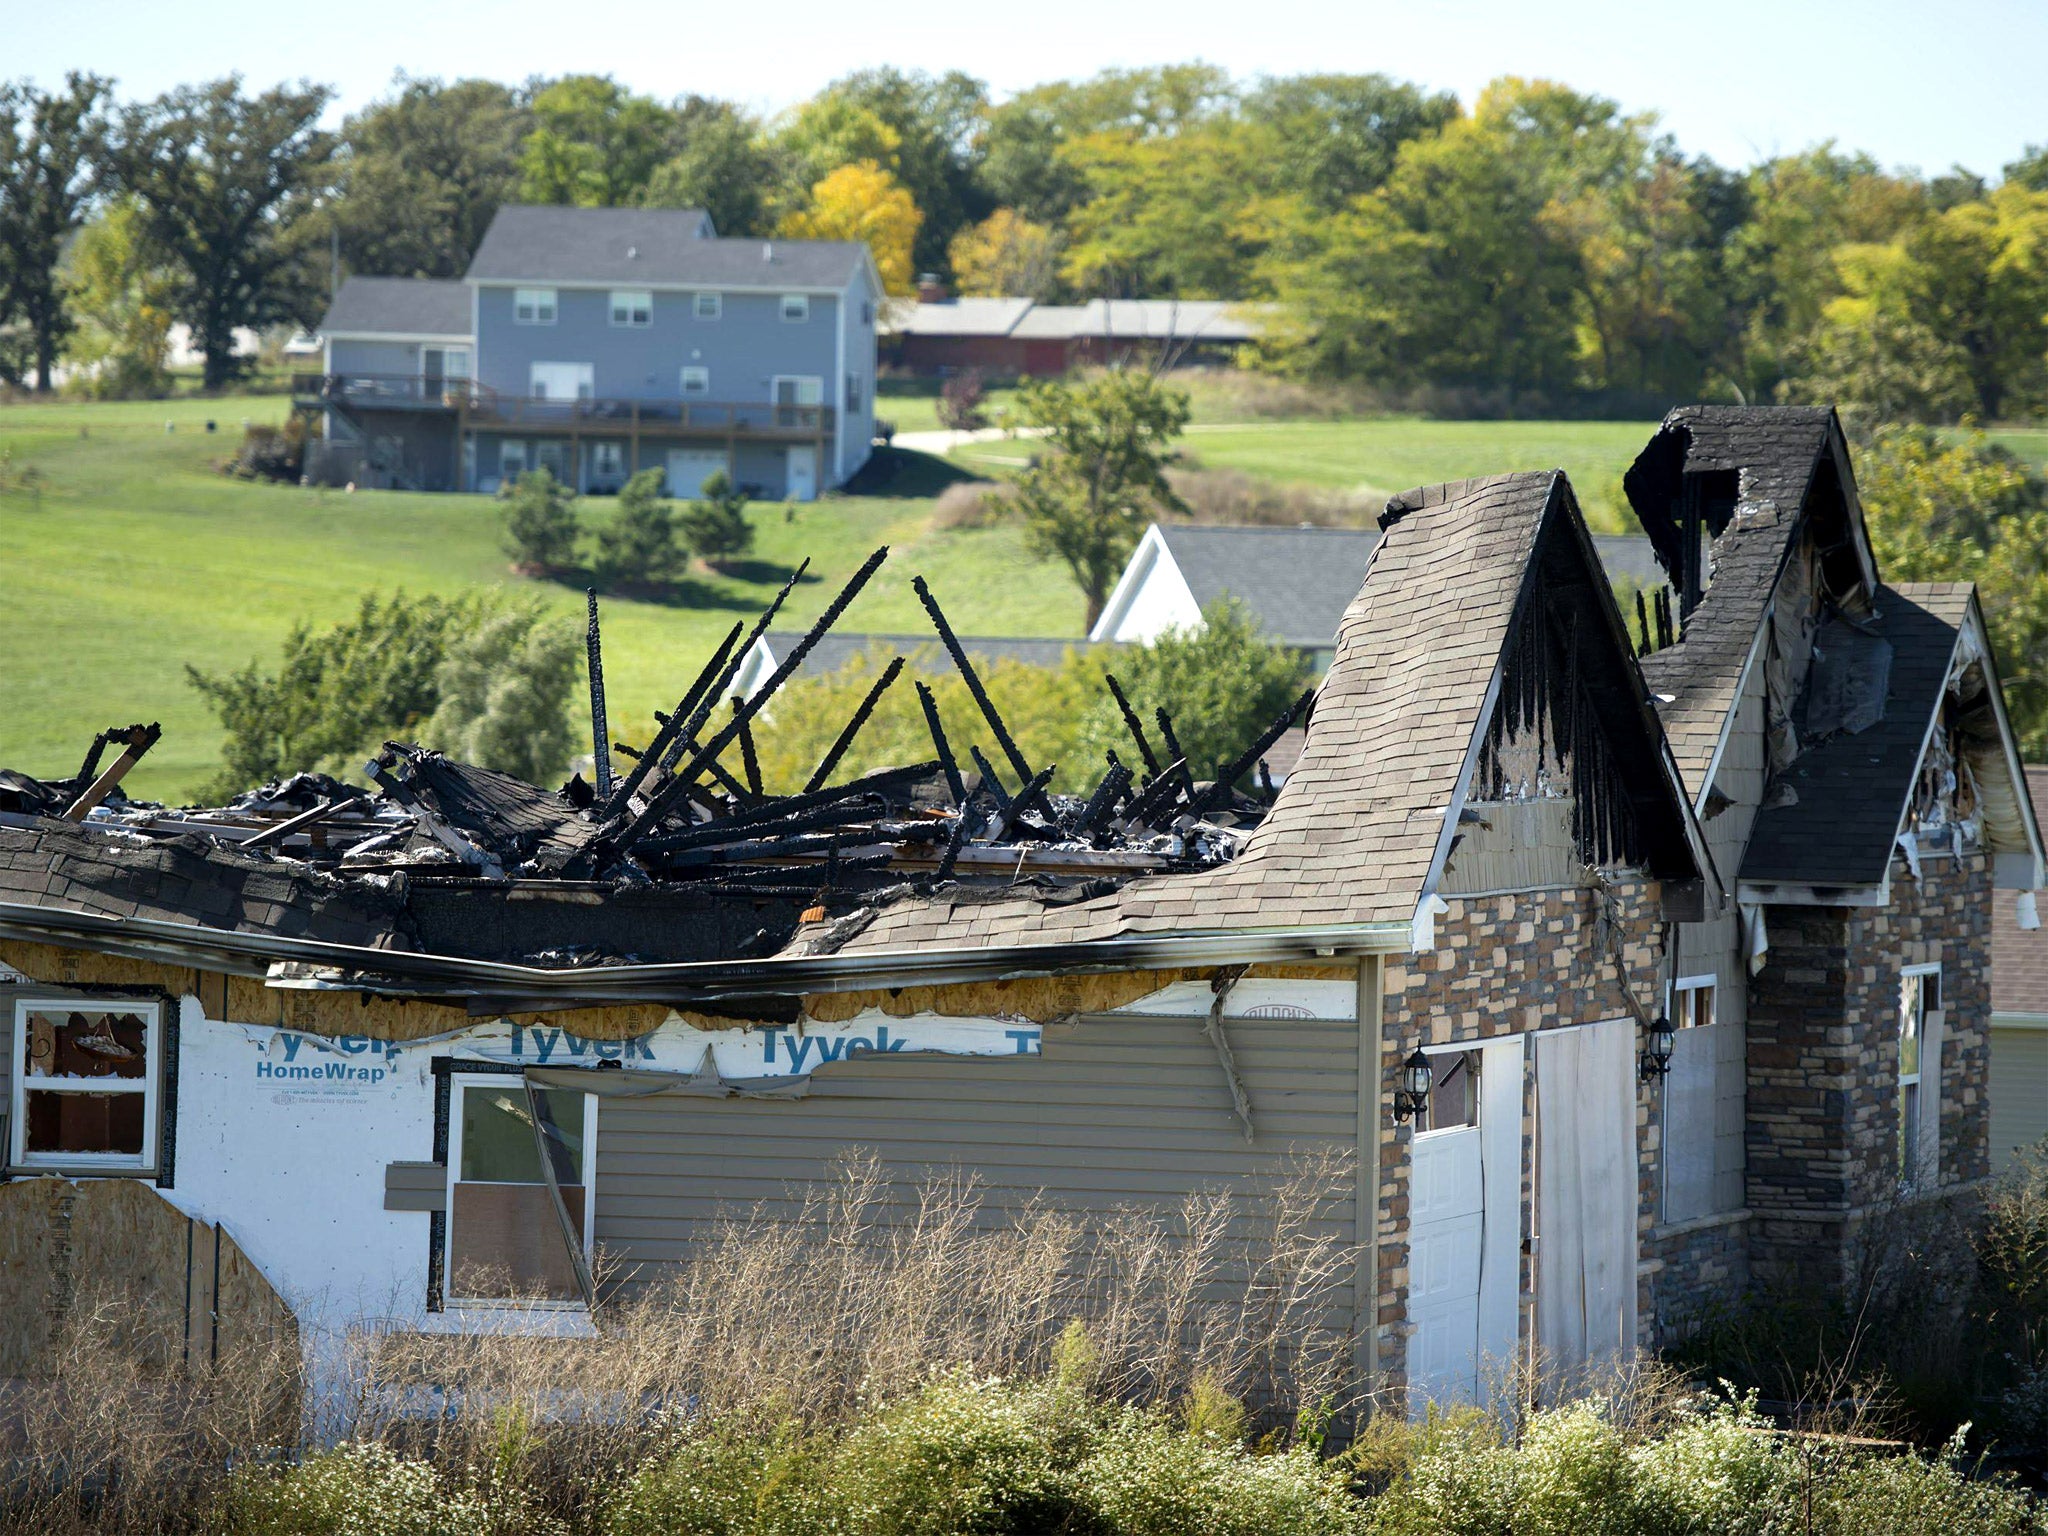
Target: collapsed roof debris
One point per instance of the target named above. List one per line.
(682, 857)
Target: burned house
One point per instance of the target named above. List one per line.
(417, 1057)
(1844, 743)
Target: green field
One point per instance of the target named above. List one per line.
(128, 557)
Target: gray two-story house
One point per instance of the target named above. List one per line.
(601, 341)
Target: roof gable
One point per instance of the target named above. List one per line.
(1296, 583)
(1365, 817)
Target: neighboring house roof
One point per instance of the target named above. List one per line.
(1853, 787)
(923, 651)
(2019, 956)
(1108, 319)
(1776, 453)
(1360, 824)
(1629, 555)
(1294, 582)
(651, 246)
(955, 317)
(399, 306)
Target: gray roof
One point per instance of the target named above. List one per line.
(651, 246)
(1137, 320)
(1296, 582)
(955, 317)
(924, 652)
(1852, 787)
(399, 306)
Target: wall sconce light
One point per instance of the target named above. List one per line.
(1658, 1040)
(1412, 1097)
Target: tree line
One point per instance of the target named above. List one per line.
(1539, 248)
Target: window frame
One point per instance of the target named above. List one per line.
(147, 1162)
(639, 315)
(1470, 1053)
(776, 382)
(795, 308)
(707, 306)
(1682, 1015)
(703, 374)
(458, 1082)
(1910, 1132)
(544, 306)
(519, 444)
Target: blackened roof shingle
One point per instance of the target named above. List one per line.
(1853, 788)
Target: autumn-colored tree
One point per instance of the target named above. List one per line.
(862, 202)
(594, 143)
(1006, 254)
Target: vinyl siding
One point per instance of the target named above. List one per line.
(2019, 1090)
(1116, 1112)
(745, 348)
(401, 358)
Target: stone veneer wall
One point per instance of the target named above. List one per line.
(1504, 965)
(1823, 1063)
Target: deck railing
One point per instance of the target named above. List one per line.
(486, 407)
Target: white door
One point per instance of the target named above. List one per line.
(1447, 1212)
(802, 475)
(1465, 1226)
(689, 468)
(562, 381)
(1586, 1200)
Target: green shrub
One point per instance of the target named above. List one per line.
(369, 1490)
(1151, 1479)
(638, 546)
(540, 523)
(721, 1480)
(715, 527)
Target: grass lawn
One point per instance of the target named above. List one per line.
(129, 557)
(1378, 456)
(913, 404)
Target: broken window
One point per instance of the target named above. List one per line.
(1920, 1020)
(1453, 1091)
(85, 1083)
(1692, 1002)
(505, 1238)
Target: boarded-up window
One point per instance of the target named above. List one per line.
(85, 1084)
(1704, 1095)
(505, 1239)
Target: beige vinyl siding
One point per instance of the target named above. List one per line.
(1519, 845)
(1115, 1112)
(1714, 946)
(2019, 1090)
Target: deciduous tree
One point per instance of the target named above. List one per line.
(1087, 498)
(594, 143)
(718, 161)
(52, 149)
(1006, 254)
(225, 180)
(122, 296)
(862, 202)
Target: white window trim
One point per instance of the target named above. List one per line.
(552, 302)
(150, 1086)
(1707, 983)
(800, 303)
(683, 381)
(707, 306)
(457, 1081)
(586, 383)
(629, 306)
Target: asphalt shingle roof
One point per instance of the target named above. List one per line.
(1354, 832)
(955, 317)
(1853, 788)
(1775, 450)
(399, 306)
(2019, 956)
(650, 246)
(1296, 582)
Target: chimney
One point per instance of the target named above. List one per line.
(929, 289)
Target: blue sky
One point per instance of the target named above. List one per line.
(1918, 85)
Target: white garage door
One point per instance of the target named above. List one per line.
(689, 468)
